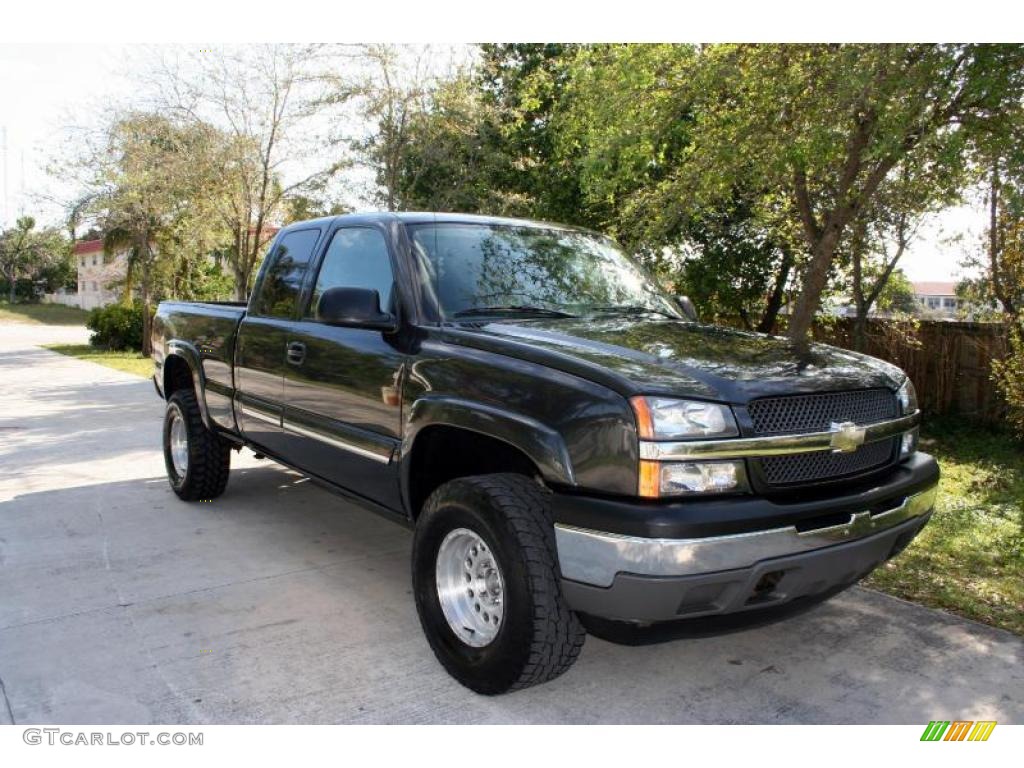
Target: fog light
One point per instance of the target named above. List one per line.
(909, 442)
(691, 477)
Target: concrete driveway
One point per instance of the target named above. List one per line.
(279, 602)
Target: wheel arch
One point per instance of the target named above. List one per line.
(496, 439)
(182, 370)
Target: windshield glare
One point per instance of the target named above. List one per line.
(474, 267)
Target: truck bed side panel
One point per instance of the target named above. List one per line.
(205, 334)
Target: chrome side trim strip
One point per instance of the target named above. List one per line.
(333, 441)
(775, 445)
(594, 557)
(252, 413)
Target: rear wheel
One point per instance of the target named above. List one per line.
(487, 584)
(198, 461)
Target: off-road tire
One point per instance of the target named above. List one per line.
(209, 455)
(540, 637)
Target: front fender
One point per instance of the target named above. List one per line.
(543, 445)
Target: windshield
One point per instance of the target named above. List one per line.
(479, 269)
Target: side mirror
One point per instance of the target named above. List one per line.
(688, 308)
(354, 307)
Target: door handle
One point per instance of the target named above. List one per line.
(296, 352)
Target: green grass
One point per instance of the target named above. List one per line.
(41, 314)
(969, 560)
(129, 362)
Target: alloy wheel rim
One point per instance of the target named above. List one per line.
(470, 587)
(179, 443)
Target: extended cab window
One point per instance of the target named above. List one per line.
(356, 258)
(282, 278)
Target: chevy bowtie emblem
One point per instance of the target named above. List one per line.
(847, 437)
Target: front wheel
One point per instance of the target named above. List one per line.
(198, 461)
(487, 584)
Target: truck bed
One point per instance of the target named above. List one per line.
(209, 330)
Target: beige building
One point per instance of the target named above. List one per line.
(99, 276)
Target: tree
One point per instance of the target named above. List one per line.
(27, 252)
(897, 297)
(874, 263)
(998, 161)
(17, 252)
(263, 102)
(881, 233)
(827, 125)
(148, 199)
(302, 207)
(391, 94)
(526, 85)
(1005, 257)
(1008, 373)
(620, 132)
(454, 158)
(740, 267)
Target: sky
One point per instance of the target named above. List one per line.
(48, 88)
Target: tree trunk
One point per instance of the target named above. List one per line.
(147, 345)
(995, 247)
(745, 319)
(129, 279)
(860, 319)
(13, 287)
(771, 310)
(237, 266)
(860, 332)
(815, 279)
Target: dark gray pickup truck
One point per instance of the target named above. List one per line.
(566, 440)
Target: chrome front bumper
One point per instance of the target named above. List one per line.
(596, 558)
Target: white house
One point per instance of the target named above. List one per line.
(937, 297)
(99, 277)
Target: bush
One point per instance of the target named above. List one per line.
(1009, 376)
(24, 290)
(116, 326)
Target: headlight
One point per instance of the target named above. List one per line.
(663, 418)
(907, 396)
(659, 479)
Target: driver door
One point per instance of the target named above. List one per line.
(342, 403)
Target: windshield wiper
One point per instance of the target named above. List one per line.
(512, 309)
(631, 309)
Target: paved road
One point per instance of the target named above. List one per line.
(281, 603)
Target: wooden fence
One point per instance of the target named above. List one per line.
(950, 363)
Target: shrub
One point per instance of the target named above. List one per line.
(24, 290)
(116, 326)
(1009, 376)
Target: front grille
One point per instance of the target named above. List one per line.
(825, 465)
(816, 413)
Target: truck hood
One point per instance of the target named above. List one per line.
(665, 356)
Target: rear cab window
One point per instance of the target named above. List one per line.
(282, 279)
